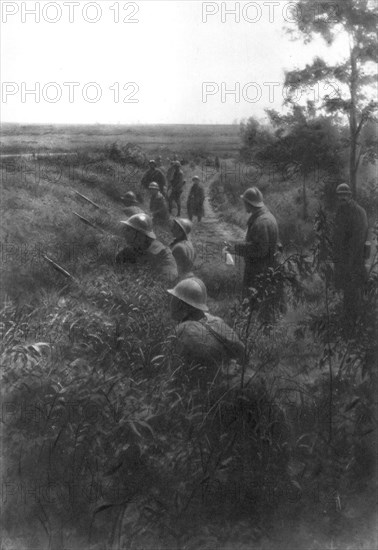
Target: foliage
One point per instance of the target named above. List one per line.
(355, 75)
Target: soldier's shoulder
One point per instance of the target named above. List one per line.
(156, 247)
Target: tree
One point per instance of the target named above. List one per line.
(357, 18)
(296, 144)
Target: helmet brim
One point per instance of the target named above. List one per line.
(172, 292)
(176, 221)
(150, 234)
(252, 203)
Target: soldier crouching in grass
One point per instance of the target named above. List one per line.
(158, 205)
(144, 248)
(131, 203)
(206, 344)
(182, 247)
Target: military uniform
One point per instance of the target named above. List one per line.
(159, 208)
(156, 257)
(260, 245)
(184, 254)
(350, 235)
(131, 210)
(195, 201)
(207, 346)
(154, 174)
(176, 183)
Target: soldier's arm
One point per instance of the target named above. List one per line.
(257, 247)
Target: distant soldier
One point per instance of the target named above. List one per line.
(131, 204)
(175, 186)
(156, 175)
(217, 164)
(158, 161)
(170, 170)
(350, 235)
(196, 199)
(182, 247)
(158, 205)
(143, 248)
(206, 343)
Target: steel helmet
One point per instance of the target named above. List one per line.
(253, 196)
(343, 189)
(177, 163)
(152, 161)
(130, 197)
(153, 185)
(141, 223)
(184, 224)
(195, 178)
(192, 291)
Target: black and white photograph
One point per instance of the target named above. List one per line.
(189, 275)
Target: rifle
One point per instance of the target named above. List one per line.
(59, 268)
(87, 222)
(89, 200)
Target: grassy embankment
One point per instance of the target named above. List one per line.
(105, 437)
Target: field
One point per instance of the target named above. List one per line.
(106, 442)
(216, 139)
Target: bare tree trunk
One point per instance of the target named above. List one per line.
(353, 124)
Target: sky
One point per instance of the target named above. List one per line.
(150, 61)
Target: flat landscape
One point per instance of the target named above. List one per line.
(24, 139)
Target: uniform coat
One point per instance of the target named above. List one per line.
(156, 175)
(195, 201)
(260, 245)
(184, 254)
(159, 208)
(208, 341)
(350, 235)
(157, 257)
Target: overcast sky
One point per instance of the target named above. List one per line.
(172, 60)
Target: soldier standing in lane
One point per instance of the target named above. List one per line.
(261, 241)
(143, 248)
(196, 199)
(175, 186)
(182, 247)
(350, 236)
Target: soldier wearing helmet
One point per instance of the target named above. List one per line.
(154, 174)
(175, 186)
(182, 247)
(261, 241)
(131, 204)
(143, 248)
(350, 235)
(158, 205)
(206, 343)
(196, 199)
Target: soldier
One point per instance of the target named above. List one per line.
(143, 248)
(182, 247)
(350, 235)
(175, 186)
(156, 175)
(158, 205)
(261, 241)
(205, 342)
(196, 198)
(131, 204)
